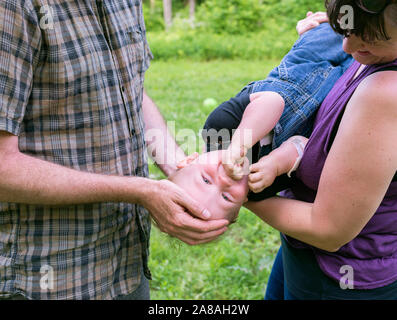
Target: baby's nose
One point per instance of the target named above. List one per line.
(224, 179)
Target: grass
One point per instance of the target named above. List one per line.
(237, 265)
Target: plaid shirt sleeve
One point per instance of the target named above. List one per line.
(20, 43)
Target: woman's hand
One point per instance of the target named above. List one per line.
(311, 21)
(177, 214)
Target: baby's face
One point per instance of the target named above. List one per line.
(205, 180)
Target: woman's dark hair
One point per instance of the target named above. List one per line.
(367, 26)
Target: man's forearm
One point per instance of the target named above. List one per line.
(162, 146)
(25, 179)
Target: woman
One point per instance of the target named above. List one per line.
(339, 225)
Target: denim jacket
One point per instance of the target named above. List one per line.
(304, 78)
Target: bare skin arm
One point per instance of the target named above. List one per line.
(162, 146)
(25, 179)
(262, 114)
(259, 118)
(280, 161)
(356, 175)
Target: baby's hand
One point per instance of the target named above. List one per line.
(234, 162)
(262, 174)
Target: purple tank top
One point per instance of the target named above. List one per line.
(373, 253)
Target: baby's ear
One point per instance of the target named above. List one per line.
(188, 160)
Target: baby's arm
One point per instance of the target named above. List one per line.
(282, 160)
(259, 118)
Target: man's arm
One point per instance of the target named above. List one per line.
(161, 145)
(25, 179)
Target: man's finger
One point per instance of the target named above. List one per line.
(193, 207)
(196, 225)
(194, 238)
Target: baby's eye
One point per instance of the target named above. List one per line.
(225, 197)
(206, 180)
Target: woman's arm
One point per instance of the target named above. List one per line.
(356, 175)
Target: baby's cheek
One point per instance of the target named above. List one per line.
(240, 193)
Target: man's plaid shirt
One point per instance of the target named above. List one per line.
(71, 87)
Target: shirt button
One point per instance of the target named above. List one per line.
(278, 129)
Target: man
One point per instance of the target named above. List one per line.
(73, 165)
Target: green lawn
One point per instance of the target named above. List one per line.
(236, 266)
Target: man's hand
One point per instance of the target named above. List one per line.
(177, 214)
(311, 21)
(263, 173)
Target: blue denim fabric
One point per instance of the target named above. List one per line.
(276, 285)
(304, 78)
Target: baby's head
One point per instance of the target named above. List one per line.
(205, 180)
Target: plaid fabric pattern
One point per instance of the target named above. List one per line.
(71, 88)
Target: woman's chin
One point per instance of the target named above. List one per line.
(366, 60)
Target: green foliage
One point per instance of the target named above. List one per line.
(233, 29)
(202, 46)
(232, 16)
(154, 16)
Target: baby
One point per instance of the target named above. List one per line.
(204, 178)
(278, 111)
(277, 108)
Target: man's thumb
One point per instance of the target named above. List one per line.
(196, 210)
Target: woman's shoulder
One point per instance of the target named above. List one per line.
(378, 92)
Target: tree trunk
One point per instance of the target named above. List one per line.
(152, 5)
(192, 9)
(167, 7)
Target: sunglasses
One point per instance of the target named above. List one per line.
(372, 6)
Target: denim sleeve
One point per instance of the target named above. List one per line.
(304, 78)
